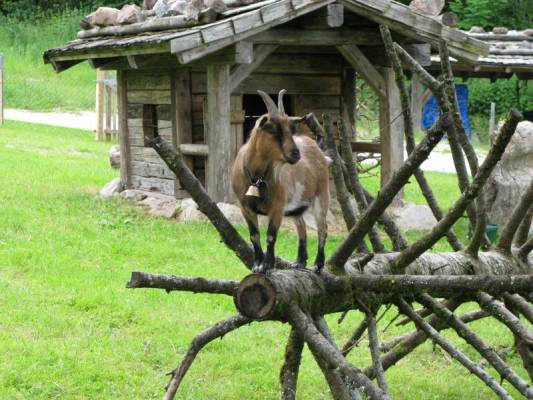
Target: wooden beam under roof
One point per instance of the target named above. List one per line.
(364, 67)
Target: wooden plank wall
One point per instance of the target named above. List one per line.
(313, 81)
(147, 171)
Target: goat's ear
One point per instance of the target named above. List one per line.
(263, 121)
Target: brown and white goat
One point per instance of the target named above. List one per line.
(279, 172)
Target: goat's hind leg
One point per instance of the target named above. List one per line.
(255, 238)
(301, 260)
(320, 210)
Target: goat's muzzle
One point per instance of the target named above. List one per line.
(294, 157)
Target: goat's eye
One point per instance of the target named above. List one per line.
(293, 128)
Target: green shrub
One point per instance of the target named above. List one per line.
(515, 14)
(503, 92)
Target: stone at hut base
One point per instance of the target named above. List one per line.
(112, 189)
(133, 194)
(160, 205)
(114, 156)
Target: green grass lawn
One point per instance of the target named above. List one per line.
(70, 330)
(29, 83)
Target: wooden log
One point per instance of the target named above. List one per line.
(182, 111)
(218, 133)
(364, 67)
(241, 72)
(198, 150)
(267, 296)
(153, 25)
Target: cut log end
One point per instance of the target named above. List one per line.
(255, 297)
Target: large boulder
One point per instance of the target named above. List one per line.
(413, 217)
(509, 180)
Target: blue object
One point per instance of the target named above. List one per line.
(431, 110)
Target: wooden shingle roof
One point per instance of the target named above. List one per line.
(195, 42)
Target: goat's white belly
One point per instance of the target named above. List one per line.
(295, 198)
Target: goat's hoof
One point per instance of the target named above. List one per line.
(262, 269)
(298, 265)
(317, 269)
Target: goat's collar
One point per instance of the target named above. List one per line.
(257, 179)
(258, 183)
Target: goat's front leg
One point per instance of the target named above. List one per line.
(275, 217)
(255, 238)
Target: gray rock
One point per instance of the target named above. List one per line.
(167, 8)
(111, 189)
(500, 30)
(188, 202)
(160, 205)
(114, 156)
(149, 4)
(433, 7)
(133, 194)
(129, 14)
(413, 217)
(477, 29)
(511, 176)
(191, 214)
(232, 213)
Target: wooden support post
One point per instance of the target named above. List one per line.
(181, 115)
(417, 103)
(100, 77)
(348, 101)
(122, 105)
(390, 129)
(1, 89)
(218, 133)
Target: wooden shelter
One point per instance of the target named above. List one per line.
(196, 86)
(510, 53)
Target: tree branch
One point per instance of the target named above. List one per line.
(387, 193)
(206, 205)
(354, 339)
(409, 133)
(186, 284)
(523, 230)
(513, 223)
(456, 211)
(325, 350)
(475, 341)
(354, 184)
(505, 316)
(449, 89)
(289, 371)
(452, 350)
(199, 342)
(373, 343)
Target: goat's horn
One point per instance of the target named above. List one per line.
(269, 103)
(281, 107)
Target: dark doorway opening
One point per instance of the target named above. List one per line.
(254, 107)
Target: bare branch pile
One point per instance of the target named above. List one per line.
(499, 279)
